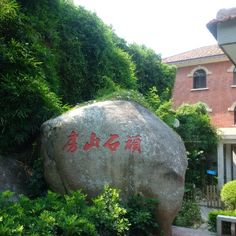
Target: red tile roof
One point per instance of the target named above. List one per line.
(203, 52)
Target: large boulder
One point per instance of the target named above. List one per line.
(119, 143)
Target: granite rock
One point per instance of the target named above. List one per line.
(118, 143)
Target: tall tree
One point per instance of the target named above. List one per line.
(151, 72)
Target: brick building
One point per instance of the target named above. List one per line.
(207, 75)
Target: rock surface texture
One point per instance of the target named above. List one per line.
(13, 175)
(121, 144)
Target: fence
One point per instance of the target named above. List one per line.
(209, 196)
(212, 196)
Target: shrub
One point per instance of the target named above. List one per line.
(108, 214)
(141, 215)
(200, 139)
(212, 220)
(228, 194)
(189, 214)
(55, 214)
(27, 97)
(37, 186)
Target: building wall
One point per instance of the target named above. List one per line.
(219, 96)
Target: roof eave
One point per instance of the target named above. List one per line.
(200, 60)
(212, 27)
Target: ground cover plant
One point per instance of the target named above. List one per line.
(72, 214)
(189, 214)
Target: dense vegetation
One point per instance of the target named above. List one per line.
(192, 123)
(54, 55)
(200, 139)
(71, 214)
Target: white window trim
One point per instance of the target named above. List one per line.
(199, 89)
(199, 68)
(232, 107)
(231, 69)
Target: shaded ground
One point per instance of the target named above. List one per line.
(202, 231)
(180, 231)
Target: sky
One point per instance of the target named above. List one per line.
(169, 27)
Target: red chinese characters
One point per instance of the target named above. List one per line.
(94, 142)
(133, 143)
(111, 144)
(71, 145)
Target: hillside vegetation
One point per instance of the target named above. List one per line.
(54, 55)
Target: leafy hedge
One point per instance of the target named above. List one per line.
(55, 214)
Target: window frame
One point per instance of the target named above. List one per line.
(200, 79)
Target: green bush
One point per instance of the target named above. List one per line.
(55, 214)
(189, 214)
(228, 195)
(212, 219)
(27, 97)
(141, 215)
(200, 139)
(108, 214)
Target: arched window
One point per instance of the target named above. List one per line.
(199, 79)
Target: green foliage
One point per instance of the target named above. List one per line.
(189, 215)
(228, 195)
(37, 186)
(89, 55)
(153, 98)
(8, 10)
(212, 219)
(52, 54)
(59, 215)
(166, 113)
(196, 129)
(55, 214)
(162, 108)
(109, 215)
(151, 72)
(141, 215)
(199, 136)
(26, 98)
